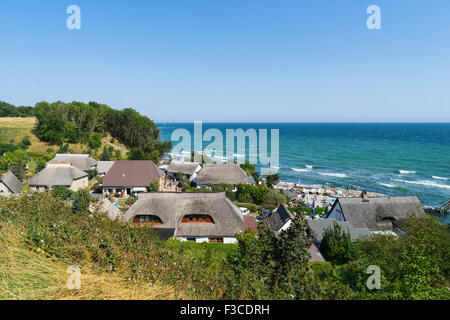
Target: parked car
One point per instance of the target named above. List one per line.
(244, 211)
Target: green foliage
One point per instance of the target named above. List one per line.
(92, 173)
(82, 200)
(267, 267)
(25, 143)
(78, 122)
(107, 153)
(272, 180)
(131, 200)
(95, 142)
(8, 110)
(40, 166)
(337, 246)
(250, 170)
(62, 192)
(63, 148)
(154, 186)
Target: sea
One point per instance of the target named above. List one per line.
(391, 158)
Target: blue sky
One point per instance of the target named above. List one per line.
(232, 60)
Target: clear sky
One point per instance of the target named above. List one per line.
(232, 60)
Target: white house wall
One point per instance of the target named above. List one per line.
(79, 184)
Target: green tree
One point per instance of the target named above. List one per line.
(62, 192)
(337, 246)
(25, 143)
(272, 180)
(154, 186)
(40, 166)
(82, 200)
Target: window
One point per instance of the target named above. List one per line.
(215, 240)
(191, 239)
(147, 219)
(197, 218)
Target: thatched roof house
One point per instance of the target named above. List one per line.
(215, 174)
(60, 174)
(81, 161)
(188, 169)
(199, 217)
(376, 213)
(131, 176)
(9, 184)
(279, 219)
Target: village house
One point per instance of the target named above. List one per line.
(215, 174)
(59, 174)
(376, 214)
(197, 217)
(10, 185)
(130, 177)
(82, 161)
(103, 167)
(189, 170)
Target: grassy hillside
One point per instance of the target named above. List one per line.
(27, 273)
(13, 130)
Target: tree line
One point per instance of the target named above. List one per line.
(78, 122)
(9, 110)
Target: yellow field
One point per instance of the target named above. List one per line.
(13, 130)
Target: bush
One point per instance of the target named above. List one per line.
(337, 246)
(154, 186)
(62, 192)
(82, 200)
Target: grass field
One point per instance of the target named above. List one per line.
(13, 130)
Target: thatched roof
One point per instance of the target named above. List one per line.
(104, 166)
(81, 161)
(11, 182)
(221, 173)
(187, 168)
(57, 175)
(377, 213)
(132, 173)
(109, 208)
(318, 227)
(172, 207)
(278, 218)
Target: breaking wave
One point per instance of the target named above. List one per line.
(386, 185)
(425, 183)
(332, 174)
(300, 170)
(406, 172)
(440, 178)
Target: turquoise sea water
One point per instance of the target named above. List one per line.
(390, 158)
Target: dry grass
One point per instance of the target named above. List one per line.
(28, 274)
(15, 129)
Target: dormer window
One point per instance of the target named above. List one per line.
(147, 220)
(197, 218)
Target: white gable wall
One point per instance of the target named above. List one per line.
(4, 191)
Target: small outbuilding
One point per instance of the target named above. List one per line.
(189, 170)
(215, 174)
(10, 185)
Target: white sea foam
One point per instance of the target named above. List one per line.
(440, 178)
(386, 185)
(308, 166)
(424, 183)
(300, 170)
(332, 174)
(406, 172)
